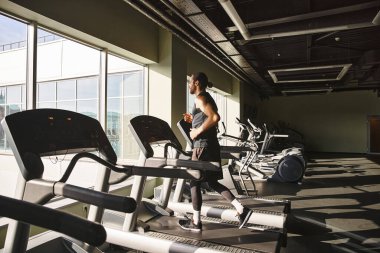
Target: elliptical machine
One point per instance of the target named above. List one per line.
(286, 166)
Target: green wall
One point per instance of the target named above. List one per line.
(335, 122)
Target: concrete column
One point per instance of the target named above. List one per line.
(167, 80)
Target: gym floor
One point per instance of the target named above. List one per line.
(336, 208)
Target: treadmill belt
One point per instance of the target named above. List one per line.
(236, 224)
(221, 233)
(201, 244)
(269, 204)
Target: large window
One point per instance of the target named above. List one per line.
(13, 37)
(79, 95)
(125, 100)
(220, 101)
(67, 74)
(12, 99)
(68, 77)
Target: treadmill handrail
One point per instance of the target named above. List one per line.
(184, 128)
(197, 165)
(169, 144)
(71, 225)
(130, 170)
(47, 189)
(89, 196)
(236, 149)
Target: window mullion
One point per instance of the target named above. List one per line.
(103, 89)
(101, 183)
(31, 67)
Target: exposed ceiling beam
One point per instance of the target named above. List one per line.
(376, 20)
(235, 18)
(308, 31)
(301, 17)
(164, 20)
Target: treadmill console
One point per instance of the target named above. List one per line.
(36, 133)
(149, 130)
(184, 127)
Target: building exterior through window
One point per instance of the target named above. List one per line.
(68, 77)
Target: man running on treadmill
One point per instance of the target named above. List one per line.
(204, 119)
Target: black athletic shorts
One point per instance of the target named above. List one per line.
(208, 154)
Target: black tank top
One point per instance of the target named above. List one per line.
(209, 137)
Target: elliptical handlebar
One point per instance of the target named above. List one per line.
(130, 170)
(254, 127)
(224, 127)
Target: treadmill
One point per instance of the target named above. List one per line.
(156, 140)
(55, 132)
(63, 223)
(233, 153)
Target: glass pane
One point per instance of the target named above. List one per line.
(114, 124)
(2, 115)
(13, 35)
(50, 55)
(66, 90)
(67, 105)
(13, 109)
(87, 88)
(189, 98)
(46, 91)
(124, 87)
(190, 105)
(133, 106)
(13, 94)
(79, 60)
(118, 64)
(60, 58)
(47, 105)
(23, 97)
(88, 107)
(45, 36)
(2, 95)
(133, 84)
(114, 85)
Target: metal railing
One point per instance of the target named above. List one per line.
(21, 44)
